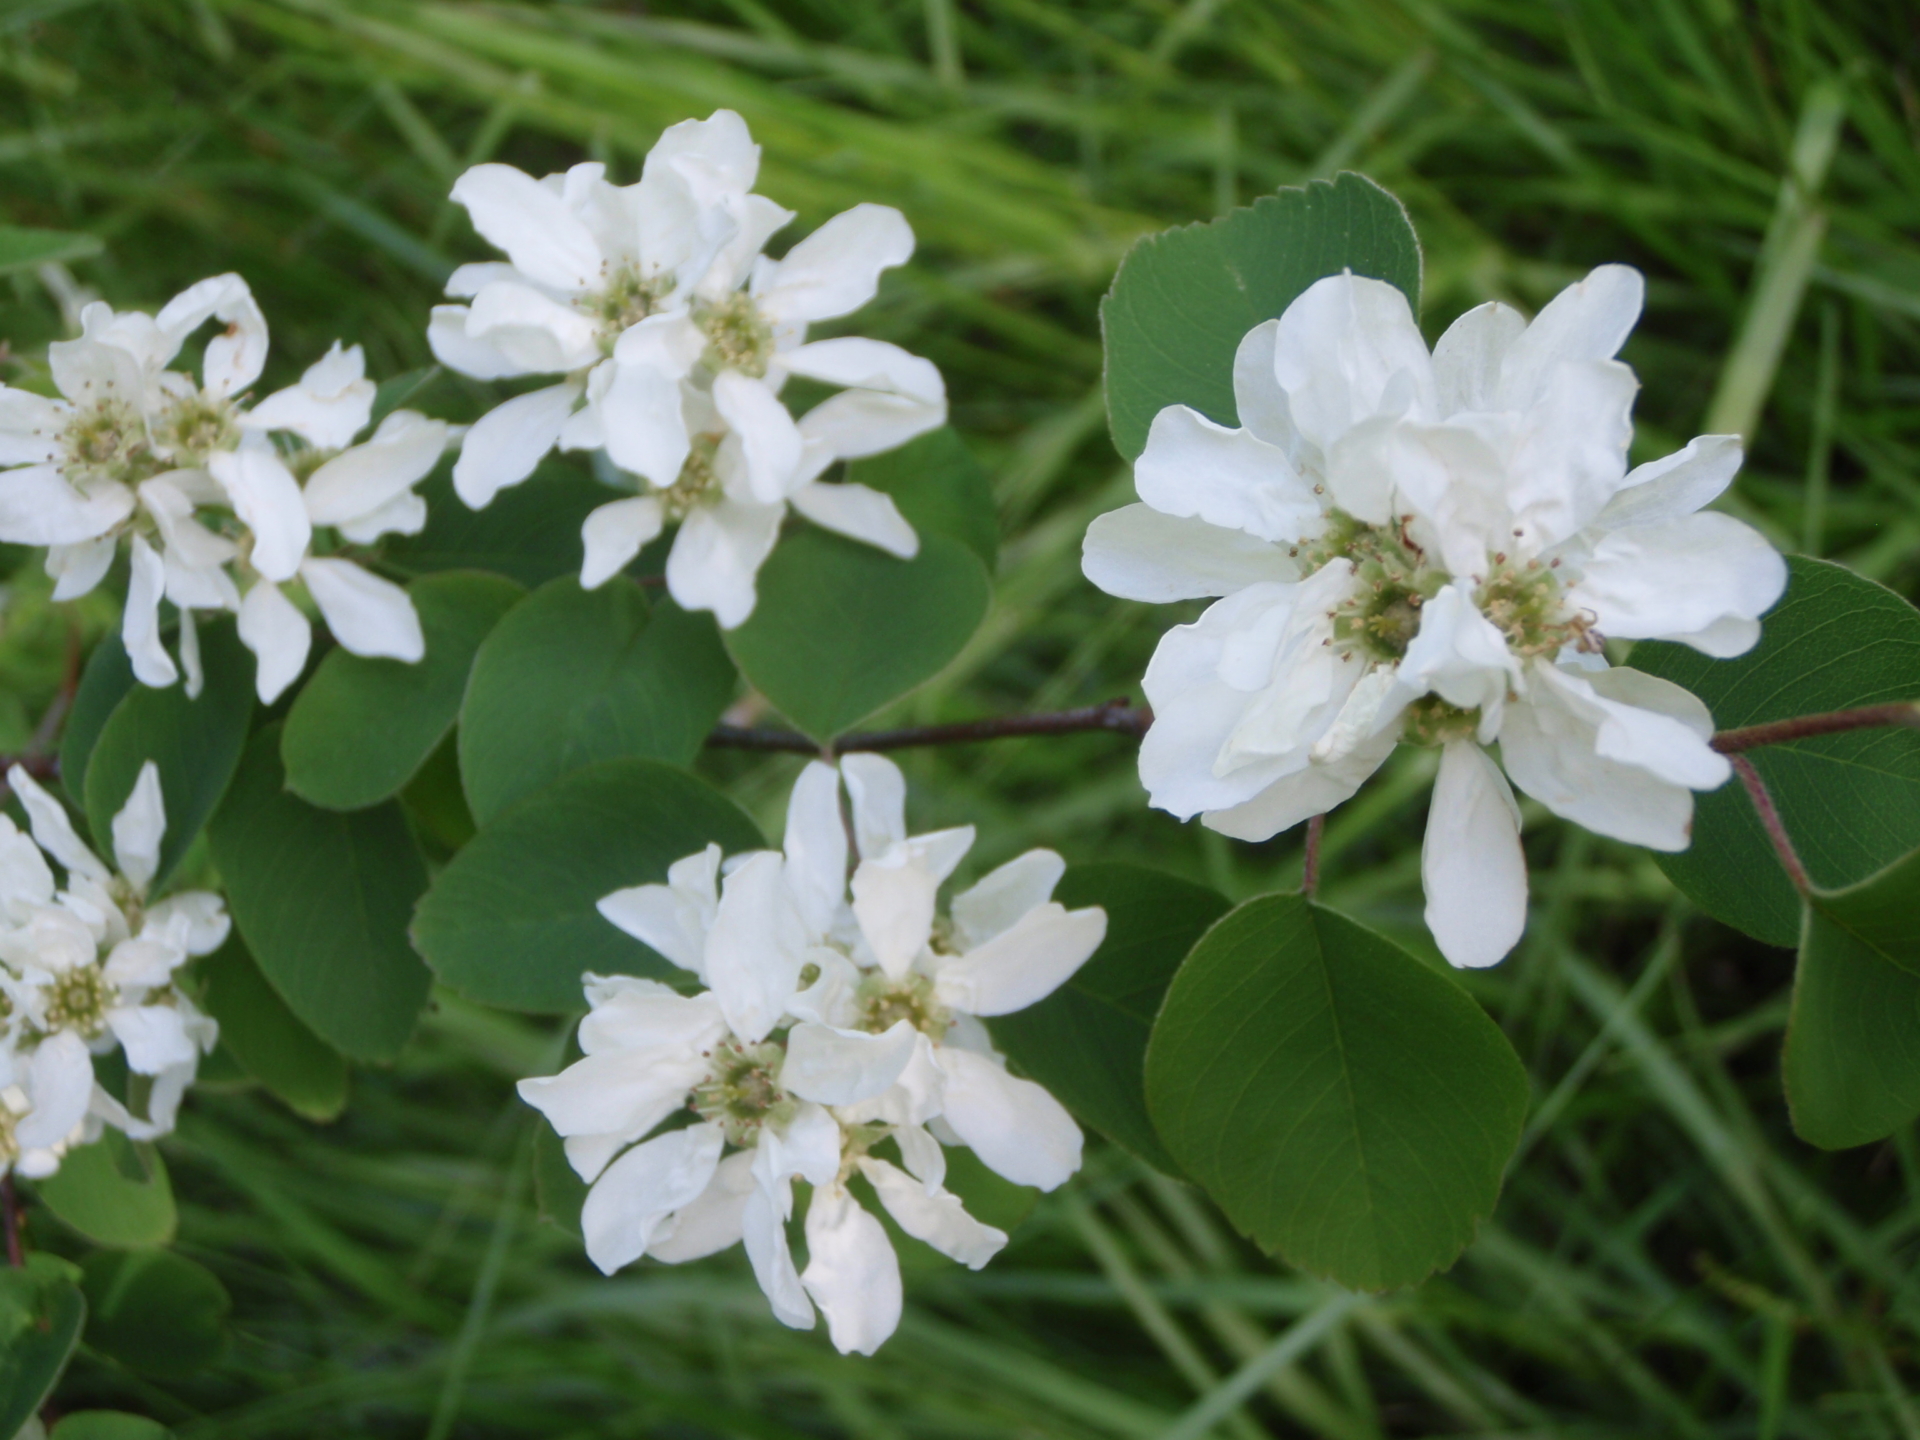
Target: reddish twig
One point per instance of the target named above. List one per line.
(1904, 713)
(1310, 874)
(1116, 715)
(1770, 819)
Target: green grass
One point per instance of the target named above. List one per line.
(1667, 1260)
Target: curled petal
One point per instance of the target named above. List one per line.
(509, 440)
(1024, 963)
(1016, 1128)
(543, 238)
(642, 1188)
(614, 533)
(368, 615)
(836, 270)
(279, 637)
(852, 1273)
(933, 1216)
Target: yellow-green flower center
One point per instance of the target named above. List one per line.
(881, 1003)
(742, 1094)
(77, 1000)
(739, 337)
(624, 301)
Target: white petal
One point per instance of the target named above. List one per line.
(614, 533)
(52, 830)
(205, 924)
(1138, 553)
(279, 636)
(39, 507)
(836, 270)
(541, 236)
(1016, 1128)
(1467, 359)
(756, 947)
(235, 356)
(76, 569)
(768, 437)
(138, 828)
(713, 1220)
(140, 622)
(933, 1216)
(153, 1037)
(60, 1082)
(29, 426)
(267, 499)
(480, 356)
(816, 847)
(1572, 452)
(642, 1188)
(807, 1146)
(509, 440)
(852, 1273)
(672, 918)
(858, 423)
(1306, 793)
(763, 1234)
(1002, 897)
(1471, 864)
(642, 420)
(1023, 964)
(862, 364)
(629, 1013)
(1195, 468)
(537, 334)
(1674, 578)
(859, 513)
(332, 403)
(894, 904)
(1675, 485)
(196, 675)
(1457, 654)
(878, 792)
(844, 1067)
(400, 454)
(1348, 350)
(716, 555)
(623, 1093)
(25, 879)
(367, 615)
(1589, 320)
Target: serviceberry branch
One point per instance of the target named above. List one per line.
(1903, 713)
(1770, 819)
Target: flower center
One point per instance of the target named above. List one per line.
(77, 1000)
(698, 479)
(1432, 722)
(624, 301)
(882, 1003)
(1380, 617)
(742, 1094)
(106, 441)
(1524, 602)
(739, 337)
(194, 427)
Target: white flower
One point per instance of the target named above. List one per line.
(34, 1157)
(1431, 549)
(674, 335)
(91, 967)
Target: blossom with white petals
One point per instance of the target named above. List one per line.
(673, 336)
(89, 967)
(1431, 549)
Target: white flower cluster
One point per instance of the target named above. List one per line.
(831, 1024)
(674, 336)
(219, 499)
(1431, 549)
(89, 968)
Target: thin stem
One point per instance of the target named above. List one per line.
(1770, 818)
(1904, 713)
(1116, 715)
(1310, 875)
(11, 1206)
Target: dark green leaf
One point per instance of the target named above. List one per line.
(267, 1039)
(574, 676)
(1087, 1042)
(530, 533)
(1850, 802)
(1344, 1104)
(409, 388)
(114, 1191)
(108, 1425)
(940, 488)
(1183, 300)
(23, 249)
(154, 1311)
(511, 921)
(196, 744)
(557, 1188)
(1852, 1057)
(361, 728)
(103, 684)
(322, 900)
(41, 1314)
(842, 629)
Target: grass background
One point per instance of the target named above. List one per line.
(1667, 1260)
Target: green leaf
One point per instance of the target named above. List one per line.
(1087, 1042)
(530, 533)
(842, 629)
(196, 743)
(114, 1191)
(1183, 300)
(108, 1425)
(103, 685)
(511, 920)
(322, 900)
(156, 1312)
(267, 1039)
(557, 1187)
(24, 249)
(940, 488)
(575, 676)
(41, 1314)
(1850, 802)
(361, 728)
(1344, 1104)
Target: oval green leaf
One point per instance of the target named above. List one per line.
(196, 743)
(42, 1312)
(322, 900)
(940, 489)
(267, 1039)
(842, 629)
(114, 1191)
(530, 533)
(108, 1425)
(156, 1312)
(1850, 802)
(103, 685)
(573, 676)
(511, 920)
(361, 728)
(1087, 1042)
(1183, 300)
(1344, 1104)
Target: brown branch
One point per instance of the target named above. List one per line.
(1116, 715)
(1904, 713)
(1310, 875)
(1770, 820)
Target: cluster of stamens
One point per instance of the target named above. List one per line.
(106, 441)
(1381, 615)
(195, 426)
(627, 298)
(1524, 603)
(77, 1000)
(739, 337)
(697, 481)
(882, 1003)
(742, 1094)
